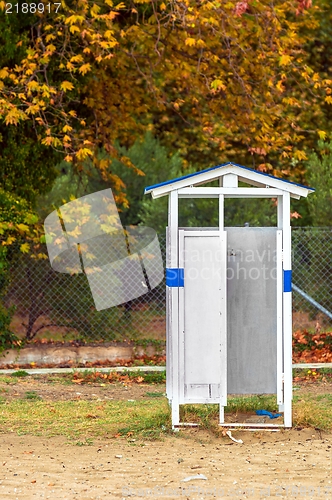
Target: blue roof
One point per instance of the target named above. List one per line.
(150, 188)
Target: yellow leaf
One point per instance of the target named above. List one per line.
(300, 155)
(94, 10)
(322, 134)
(77, 58)
(74, 29)
(47, 141)
(280, 86)
(85, 68)
(9, 240)
(42, 256)
(162, 6)
(33, 109)
(72, 113)
(67, 128)
(285, 60)
(56, 142)
(51, 47)
(69, 158)
(13, 116)
(25, 247)
(201, 43)
(49, 37)
(33, 85)
(328, 99)
(3, 73)
(218, 84)
(23, 227)
(83, 153)
(190, 42)
(109, 34)
(74, 19)
(66, 86)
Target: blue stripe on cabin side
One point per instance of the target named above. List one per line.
(287, 281)
(175, 277)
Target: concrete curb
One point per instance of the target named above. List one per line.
(76, 355)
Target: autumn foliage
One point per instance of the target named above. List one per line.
(212, 77)
(309, 348)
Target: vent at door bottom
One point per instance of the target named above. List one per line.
(202, 390)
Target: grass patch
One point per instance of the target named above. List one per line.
(207, 416)
(148, 418)
(83, 420)
(148, 377)
(313, 411)
(250, 404)
(20, 373)
(32, 395)
(127, 376)
(154, 394)
(312, 375)
(6, 379)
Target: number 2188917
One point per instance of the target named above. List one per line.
(31, 8)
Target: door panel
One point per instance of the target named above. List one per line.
(204, 316)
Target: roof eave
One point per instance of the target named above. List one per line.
(244, 174)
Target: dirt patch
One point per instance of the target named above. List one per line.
(288, 464)
(68, 387)
(49, 390)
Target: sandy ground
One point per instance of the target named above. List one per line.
(288, 464)
(291, 464)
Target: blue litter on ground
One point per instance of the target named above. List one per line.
(268, 413)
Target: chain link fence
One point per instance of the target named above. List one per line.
(312, 278)
(59, 307)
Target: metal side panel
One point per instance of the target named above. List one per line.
(169, 390)
(280, 364)
(252, 315)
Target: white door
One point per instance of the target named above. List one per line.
(202, 317)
